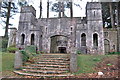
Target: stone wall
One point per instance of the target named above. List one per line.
(12, 37)
(111, 36)
(72, 28)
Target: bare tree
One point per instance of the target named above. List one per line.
(111, 14)
(59, 4)
(40, 8)
(47, 8)
(7, 21)
(71, 10)
(63, 14)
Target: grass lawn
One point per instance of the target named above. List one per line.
(7, 63)
(86, 63)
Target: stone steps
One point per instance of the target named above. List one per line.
(62, 61)
(45, 71)
(46, 68)
(44, 65)
(42, 75)
(53, 63)
(47, 65)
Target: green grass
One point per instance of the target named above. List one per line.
(86, 63)
(7, 61)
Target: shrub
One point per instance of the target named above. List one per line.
(4, 44)
(112, 53)
(25, 55)
(96, 59)
(109, 64)
(40, 52)
(78, 52)
(12, 49)
(30, 49)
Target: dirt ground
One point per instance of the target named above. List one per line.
(110, 67)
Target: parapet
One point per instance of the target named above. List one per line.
(28, 9)
(93, 5)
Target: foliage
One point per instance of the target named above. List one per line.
(106, 13)
(25, 55)
(4, 13)
(113, 53)
(40, 52)
(109, 64)
(30, 49)
(78, 52)
(4, 44)
(96, 59)
(12, 48)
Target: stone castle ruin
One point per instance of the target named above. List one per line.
(63, 34)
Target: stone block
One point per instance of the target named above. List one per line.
(18, 60)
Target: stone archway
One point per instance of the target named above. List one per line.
(107, 46)
(58, 44)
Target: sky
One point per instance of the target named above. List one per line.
(77, 12)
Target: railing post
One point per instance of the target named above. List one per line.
(18, 60)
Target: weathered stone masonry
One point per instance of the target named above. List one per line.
(56, 35)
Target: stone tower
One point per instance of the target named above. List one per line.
(27, 28)
(95, 37)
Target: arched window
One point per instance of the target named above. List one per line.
(83, 39)
(95, 40)
(32, 39)
(22, 39)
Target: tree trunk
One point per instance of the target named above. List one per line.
(0, 6)
(71, 10)
(40, 8)
(111, 14)
(119, 13)
(48, 9)
(7, 21)
(63, 9)
(117, 18)
(59, 3)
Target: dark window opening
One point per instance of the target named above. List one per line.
(22, 39)
(95, 40)
(94, 13)
(32, 39)
(106, 34)
(83, 39)
(114, 47)
(62, 49)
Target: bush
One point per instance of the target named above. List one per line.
(78, 52)
(112, 53)
(40, 52)
(96, 59)
(12, 49)
(25, 55)
(30, 49)
(4, 44)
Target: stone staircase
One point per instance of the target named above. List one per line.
(47, 65)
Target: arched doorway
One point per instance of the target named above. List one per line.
(95, 40)
(58, 44)
(32, 39)
(83, 39)
(107, 46)
(22, 39)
